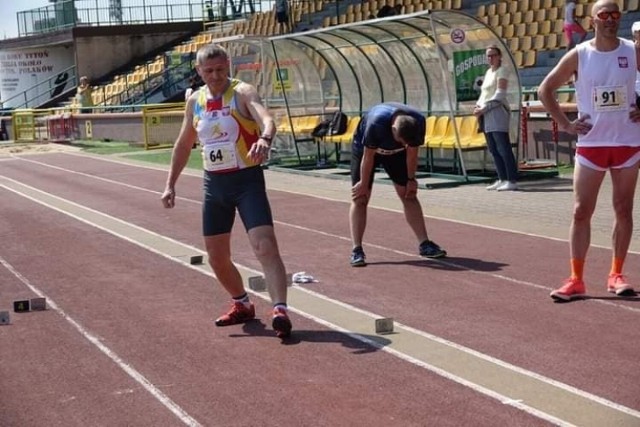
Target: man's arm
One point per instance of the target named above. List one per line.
(180, 155)
(257, 111)
(183, 145)
(251, 102)
(560, 74)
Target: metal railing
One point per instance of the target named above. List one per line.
(72, 13)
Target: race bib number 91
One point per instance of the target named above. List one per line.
(219, 156)
(610, 98)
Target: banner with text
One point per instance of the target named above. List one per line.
(26, 75)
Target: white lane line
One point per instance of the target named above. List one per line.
(500, 277)
(126, 367)
(477, 387)
(300, 193)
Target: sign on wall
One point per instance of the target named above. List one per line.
(40, 72)
(469, 68)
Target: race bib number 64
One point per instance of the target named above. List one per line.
(219, 156)
(610, 98)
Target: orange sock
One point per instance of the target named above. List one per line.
(616, 265)
(577, 268)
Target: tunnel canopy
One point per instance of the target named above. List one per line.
(432, 60)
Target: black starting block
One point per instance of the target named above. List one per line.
(196, 260)
(21, 306)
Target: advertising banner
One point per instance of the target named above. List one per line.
(42, 73)
(469, 69)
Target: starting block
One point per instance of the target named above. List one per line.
(21, 306)
(384, 326)
(5, 319)
(38, 304)
(257, 283)
(196, 259)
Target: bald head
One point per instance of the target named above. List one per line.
(610, 5)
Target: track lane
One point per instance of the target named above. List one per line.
(157, 317)
(366, 279)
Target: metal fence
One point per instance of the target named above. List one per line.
(71, 13)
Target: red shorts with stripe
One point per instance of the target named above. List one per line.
(603, 158)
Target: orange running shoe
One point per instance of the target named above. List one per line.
(571, 289)
(239, 313)
(281, 323)
(617, 284)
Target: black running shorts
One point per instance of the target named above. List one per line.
(395, 165)
(243, 190)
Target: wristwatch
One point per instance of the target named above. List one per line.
(266, 138)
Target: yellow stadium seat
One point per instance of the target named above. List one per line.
(529, 58)
(551, 41)
(470, 137)
(449, 140)
(518, 58)
(509, 31)
(441, 130)
(539, 42)
(347, 136)
(516, 17)
(513, 44)
(528, 17)
(525, 43)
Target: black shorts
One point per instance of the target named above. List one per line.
(282, 17)
(243, 190)
(395, 165)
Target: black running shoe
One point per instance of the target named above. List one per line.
(430, 249)
(358, 257)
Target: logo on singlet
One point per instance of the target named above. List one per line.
(623, 62)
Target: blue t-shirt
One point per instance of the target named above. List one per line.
(374, 129)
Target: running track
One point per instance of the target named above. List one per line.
(128, 338)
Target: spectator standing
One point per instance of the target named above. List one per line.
(493, 113)
(84, 96)
(282, 16)
(608, 129)
(571, 25)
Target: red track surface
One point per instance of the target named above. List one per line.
(490, 295)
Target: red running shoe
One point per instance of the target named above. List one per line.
(281, 323)
(571, 289)
(239, 313)
(617, 284)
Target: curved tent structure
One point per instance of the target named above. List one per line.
(432, 60)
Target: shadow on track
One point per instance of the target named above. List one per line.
(257, 328)
(449, 264)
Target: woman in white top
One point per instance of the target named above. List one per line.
(492, 111)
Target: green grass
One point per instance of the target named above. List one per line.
(163, 157)
(102, 147)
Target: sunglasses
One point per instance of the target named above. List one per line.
(604, 15)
